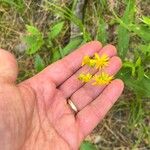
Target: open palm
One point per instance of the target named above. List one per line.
(34, 115)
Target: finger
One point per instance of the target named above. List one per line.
(73, 84)
(61, 70)
(8, 66)
(93, 113)
(88, 92)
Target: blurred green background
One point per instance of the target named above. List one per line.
(40, 32)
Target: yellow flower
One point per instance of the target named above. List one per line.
(85, 60)
(85, 77)
(91, 63)
(102, 79)
(101, 61)
(88, 61)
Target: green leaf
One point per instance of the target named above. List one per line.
(86, 145)
(86, 35)
(123, 33)
(142, 31)
(131, 66)
(39, 64)
(145, 49)
(33, 39)
(32, 29)
(136, 113)
(146, 20)
(140, 72)
(140, 87)
(123, 41)
(55, 30)
(72, 45)
(138, 62)
(102, 33)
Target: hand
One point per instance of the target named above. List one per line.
(34, 115)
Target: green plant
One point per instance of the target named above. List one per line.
(102, 33)
(55, 30)
(39, 64)
(135, 72)
(74, 43)
(123, 33)
(33, 39)
(69, 15)
(19, 5)
(137, 78)
(86, 145)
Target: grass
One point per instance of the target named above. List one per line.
(126, 24)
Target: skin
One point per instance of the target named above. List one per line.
(34, 115)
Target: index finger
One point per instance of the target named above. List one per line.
(61, 70)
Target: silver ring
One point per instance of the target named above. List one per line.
(72, 106)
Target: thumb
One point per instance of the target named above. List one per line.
(8, 66)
